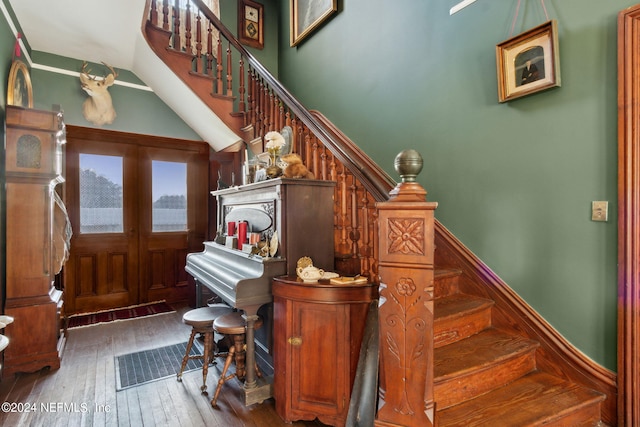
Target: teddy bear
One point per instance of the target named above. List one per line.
(295, 168)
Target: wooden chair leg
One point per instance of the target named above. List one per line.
(185, 359)
(208, 343)
(224, 379)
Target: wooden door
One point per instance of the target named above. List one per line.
(323, 329)
(166, 241)
(122, 251)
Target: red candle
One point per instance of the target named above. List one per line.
(242, 234)
(231, 228)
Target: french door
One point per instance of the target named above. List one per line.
(137, 205)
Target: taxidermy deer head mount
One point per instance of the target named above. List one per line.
(98, 108)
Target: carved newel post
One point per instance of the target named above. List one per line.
(405, 236)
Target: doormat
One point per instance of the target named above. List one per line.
(126, 313)
(142, 367)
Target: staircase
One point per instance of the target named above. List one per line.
(496, 362)
(488, 377)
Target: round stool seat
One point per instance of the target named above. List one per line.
(204, 317)
(233, 324)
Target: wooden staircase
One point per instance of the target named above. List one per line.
(496, 362)
(485, 376)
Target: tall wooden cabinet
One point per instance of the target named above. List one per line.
(33, 167)
(318, 329)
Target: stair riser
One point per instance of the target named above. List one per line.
(444, 286)
(454, 390)
(449, 331)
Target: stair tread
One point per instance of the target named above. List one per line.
(484, 349)
(535, 399)
(458, 305)
(442, 273)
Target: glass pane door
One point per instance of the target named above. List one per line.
(101, 199)
(169, 196)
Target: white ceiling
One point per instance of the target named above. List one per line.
(111, 31)
(89, 30)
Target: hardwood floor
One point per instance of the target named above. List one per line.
(83, 391)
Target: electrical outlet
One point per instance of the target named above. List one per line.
(599, 211)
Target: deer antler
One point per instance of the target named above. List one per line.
(86, 72)
(115, 74)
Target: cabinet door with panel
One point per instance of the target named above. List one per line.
(317, 334)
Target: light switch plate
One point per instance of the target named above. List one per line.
(599, 211)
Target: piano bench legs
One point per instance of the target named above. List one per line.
(201, 322)
(233, 327)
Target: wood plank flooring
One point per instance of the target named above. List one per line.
(83, 391)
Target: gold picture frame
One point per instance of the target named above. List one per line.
(528, 63)
(19, 90)
(307, 15)
(251, 23)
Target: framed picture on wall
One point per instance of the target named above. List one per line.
(307, 15)
(251, 23)
(19, 91)
(529, 62)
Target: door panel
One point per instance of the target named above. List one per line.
(141, 257)
(102, 268)
(176, 188)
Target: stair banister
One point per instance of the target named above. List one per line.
(377, 182)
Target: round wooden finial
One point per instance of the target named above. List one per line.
(408, 164)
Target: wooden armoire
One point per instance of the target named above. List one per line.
(33, 168)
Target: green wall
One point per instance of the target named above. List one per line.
(138, 111)
(514, 181)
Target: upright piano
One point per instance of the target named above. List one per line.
(300, 215)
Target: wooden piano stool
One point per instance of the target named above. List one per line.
(201, 322)
(233, 327)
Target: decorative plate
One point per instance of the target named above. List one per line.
(273, 245)
(19, 91)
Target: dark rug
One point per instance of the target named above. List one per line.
(88, 319)
(142, 367)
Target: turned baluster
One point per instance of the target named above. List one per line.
(154, 13)
(229, 72)
(287, 119)
(253, 114)
(324, 167)
(241, 104)
(315, 158)
(219, 68)
(277, 108)
(365, 249)
(295, 125)
(272, 111)
(199, 58)
(354, 232)
(209, 70)
(306, 147)
(264, 112)
(176, 25)
(165, 15)
(187, 35)
(343, 246)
